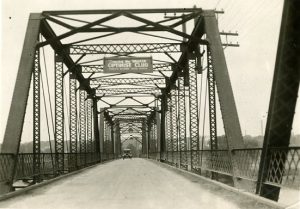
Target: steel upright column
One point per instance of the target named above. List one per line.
(112, 139)
(73, 121)
(168, 128)
(82, 126)
(226, 98)
(212, 111)
(283, 100)
(36, 117)
(193, 102)
(161, 129)
(59, 114)
(14, 126)
(212, 102)
(89, 120)
(174, 126)
(96, 127)
(102, 131)
(144, 140)
(228, 108)
(182, 123)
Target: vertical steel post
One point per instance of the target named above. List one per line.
(161, 128)
(144, 140)
(174, 92)
(182, 123)
(226, 98)
(193, 116)
(96, 128)
(36, 118)
(89, 119)
(15, 121)
(73, 121)
(283, 100)
(212, 111)
(82, 126)
(112, 139)
(168, 128)
(59, 115)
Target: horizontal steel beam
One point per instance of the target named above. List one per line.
(127, 81)
(124, 48)
(114, 91)
(135, 11)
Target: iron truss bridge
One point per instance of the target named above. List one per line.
(83, 115)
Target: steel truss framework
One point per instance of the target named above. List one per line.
(162, 125)
(124, 49)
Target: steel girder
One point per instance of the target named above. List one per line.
(96, 126)
(193, 113)
(283, 100)
(144, 138)
(124, 48)
(89, 126)
(182, 123)
(212, 102)
(117, 91)
(174, 124)
(99, 68)
(49, 34)
(14, 126)
(73, 122)
(168, 133)
(36, 116)
(102, 131)
(73, 115)
(226, 98)
(82, 122)
(134, 11)
(168, 125)
(59, 115)
(127, 81)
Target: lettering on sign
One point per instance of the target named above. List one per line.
(128, 65)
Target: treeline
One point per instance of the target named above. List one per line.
(250, 142)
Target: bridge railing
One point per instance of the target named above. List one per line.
(284, 169)
(25, 169)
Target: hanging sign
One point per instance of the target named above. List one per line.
(128, 65)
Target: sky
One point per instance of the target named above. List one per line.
(250, 66)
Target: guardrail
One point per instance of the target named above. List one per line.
(283, 171)
(25, 169)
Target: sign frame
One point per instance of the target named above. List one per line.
(127, 65)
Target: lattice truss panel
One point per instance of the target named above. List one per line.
(82, 121)
(127, 81)
(193, 115)
(89, 121)
(36, 113)
(212, 101)
(182, 123)
(116, 91)
(73, 115)
(124, 48)
(174, 123)
(59, 115)
(169, 140)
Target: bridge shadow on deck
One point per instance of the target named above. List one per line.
(136, 183)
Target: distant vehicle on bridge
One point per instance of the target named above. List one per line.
(127, 154)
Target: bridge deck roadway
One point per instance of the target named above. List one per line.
(132, 184)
